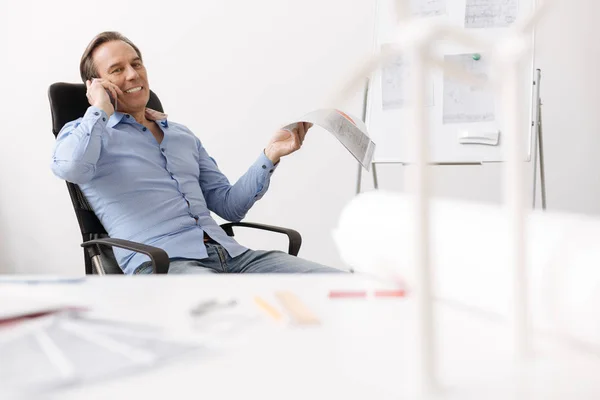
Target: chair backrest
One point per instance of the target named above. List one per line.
(68, 102)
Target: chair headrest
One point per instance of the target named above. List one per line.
(69, 102)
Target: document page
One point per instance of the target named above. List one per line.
(350, 131)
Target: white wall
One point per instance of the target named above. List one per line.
(568, 54)
(233, 71)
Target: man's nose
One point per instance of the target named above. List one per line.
(131, 73)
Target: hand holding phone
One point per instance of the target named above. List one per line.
(103, 94)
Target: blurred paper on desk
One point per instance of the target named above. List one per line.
(21, 302)
(65, 349)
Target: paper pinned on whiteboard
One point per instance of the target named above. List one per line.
(428, 8)
(491, 13)
(350, 131)
(395, 78)
(464, 102)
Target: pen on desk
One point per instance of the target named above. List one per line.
(347, 294)
(363, 294)
(269, 309)
(390, 293)
(211, 305)
(203, 307)
(298, 311)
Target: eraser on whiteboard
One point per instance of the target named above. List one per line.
(491, 138)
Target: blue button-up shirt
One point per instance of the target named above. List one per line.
(156, 194)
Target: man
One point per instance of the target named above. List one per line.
(150, 180)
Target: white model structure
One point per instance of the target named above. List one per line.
(416, 37)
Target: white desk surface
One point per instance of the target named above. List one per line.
(361, 350)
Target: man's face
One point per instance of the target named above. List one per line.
(117, 62)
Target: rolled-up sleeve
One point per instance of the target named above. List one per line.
(232, 202)
(78, 145)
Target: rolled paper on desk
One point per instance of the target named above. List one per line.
(470, 261)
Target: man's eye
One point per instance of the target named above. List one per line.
(117, 70)
(137, 65)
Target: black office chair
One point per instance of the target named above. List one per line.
(67, 103)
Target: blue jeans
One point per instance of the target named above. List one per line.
(251, 261)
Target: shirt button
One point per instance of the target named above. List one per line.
(103, 119)
(270, 171)
(162, 149)
(144, 129)
(96, 113)
(126, 115)
(264, 167)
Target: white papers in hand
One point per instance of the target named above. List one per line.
(350, 131)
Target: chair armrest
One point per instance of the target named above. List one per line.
(293, 236)
(159, 257)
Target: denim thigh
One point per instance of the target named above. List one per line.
(262, 261)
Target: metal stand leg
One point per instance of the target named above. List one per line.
(375, 182)
(364, 118)
(538, 150)
(534, 158)
(541, 150)
(359, 179)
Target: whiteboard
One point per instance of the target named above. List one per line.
(389, 127)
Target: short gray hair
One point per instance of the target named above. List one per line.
(87, 68)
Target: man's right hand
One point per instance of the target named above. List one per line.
(98, 97)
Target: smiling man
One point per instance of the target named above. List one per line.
(151, 180)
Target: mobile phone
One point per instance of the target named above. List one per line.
(113, 101)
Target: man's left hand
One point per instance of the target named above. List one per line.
(286, 142)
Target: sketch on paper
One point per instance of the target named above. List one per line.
(395, 76)
(491, 13)
(350, 132)
(465, 102)
(428, 8)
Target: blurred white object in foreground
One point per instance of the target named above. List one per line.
(469, 243)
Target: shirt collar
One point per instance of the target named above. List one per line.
(115, 119)
(151, 114)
